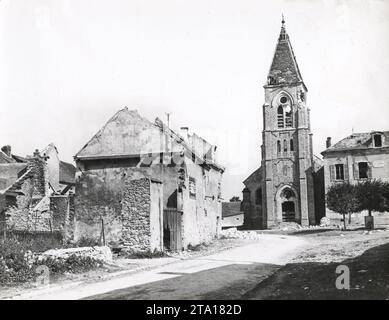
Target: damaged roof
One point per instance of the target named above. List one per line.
(67, 173)
(128, 134)
(284, 69)
(358, 141)
(256, 176)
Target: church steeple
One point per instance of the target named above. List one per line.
(284, 69)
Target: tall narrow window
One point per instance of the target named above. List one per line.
(258, 196)
(291, 145)
(377, 140)
(363, 169)
(285, 146)
(339, 172)
(192, 188)
(288, 117)
(278, 147)
(280, 117)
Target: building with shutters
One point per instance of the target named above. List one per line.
(358, 157)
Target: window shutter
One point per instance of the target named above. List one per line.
(356, 171)
(345, 169)
(332, 172)
(369, 170)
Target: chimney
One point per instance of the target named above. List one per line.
(7, 150)
(328, 142)
(185, 132)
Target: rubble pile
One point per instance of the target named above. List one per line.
(233, 233)
(103, 254)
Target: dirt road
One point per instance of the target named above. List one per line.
(225, 275)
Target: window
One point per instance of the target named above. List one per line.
(285, 146)
(258, 196)
(288, 117)
(278, 146)
(280, 117)
(284, 100)
(339, 172)
(377, 140)
(192, 187)
(363, 169)
(291, 145)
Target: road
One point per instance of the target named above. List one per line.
(225, 275)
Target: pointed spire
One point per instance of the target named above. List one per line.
(283, 34)
(284, 68)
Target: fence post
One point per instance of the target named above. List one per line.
(102, 231)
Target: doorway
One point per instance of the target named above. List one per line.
(288, 211)
(172, 220)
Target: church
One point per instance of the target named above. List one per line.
(289, 184)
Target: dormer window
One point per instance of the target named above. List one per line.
(377, 139)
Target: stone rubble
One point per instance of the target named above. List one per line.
(103, 253)
(233, 233)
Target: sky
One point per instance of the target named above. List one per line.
(66, 66)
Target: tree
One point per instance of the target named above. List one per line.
(235, 199)
(342, 198)
(386, 195)
(371, 196)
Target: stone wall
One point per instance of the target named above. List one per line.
(59, 207)
(136, 215)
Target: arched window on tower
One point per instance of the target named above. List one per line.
(278, 147)
(280, 117)
(285, 146)
(288, 117)
(291, 145)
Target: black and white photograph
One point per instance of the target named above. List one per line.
(194, 155)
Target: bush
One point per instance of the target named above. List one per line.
(73, 264)
(18, 264)
(13, 265)
(87, 242)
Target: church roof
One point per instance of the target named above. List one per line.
(256, 176)
(284, 69)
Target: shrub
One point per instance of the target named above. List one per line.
(13, 265)
(86, 242)
(72, 264)
(18, 263)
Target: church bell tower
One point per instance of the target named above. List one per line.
(287, 159)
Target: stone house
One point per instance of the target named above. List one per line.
(232, 214)
(287, 187)
(143, 186)
(35, 191)
(358, 157)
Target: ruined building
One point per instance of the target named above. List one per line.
(143, 187)
(35, 191)
(289, 180)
